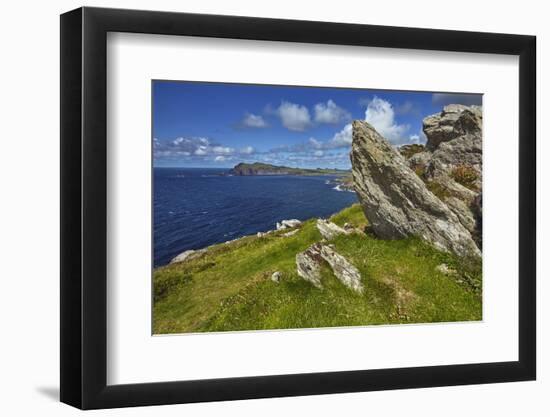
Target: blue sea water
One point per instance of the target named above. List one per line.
(195, 208)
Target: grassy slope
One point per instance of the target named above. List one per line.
(229, 288)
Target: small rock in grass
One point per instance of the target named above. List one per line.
(329, 230)
(188, 255)
(291, 233)
(445, 270)
(288, 224)
(276, 276)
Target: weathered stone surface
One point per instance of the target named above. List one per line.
(420, 160)
(308, 264)
(288, 224)
(276, 276)
(348, 274)
(188, 255)
(409, 150)
(445, 270)
(454, 139)
(291, 233)
(454, 121)
(463, 212)
(330, 230)
(396, 201)
(477, 209)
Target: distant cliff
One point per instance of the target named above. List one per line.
(258, 168)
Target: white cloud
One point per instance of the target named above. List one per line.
(222, 150)
(342, 138)
(381, 115)
(198, 149)
(185, 144)
(293, 116)
(253, 120)
(330, 113)
(247, 150)
(201, 150)
(419, 138)
(318, 153)
(315, 143)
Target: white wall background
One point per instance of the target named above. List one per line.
(29, 225)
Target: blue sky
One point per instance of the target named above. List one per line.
(219, 125)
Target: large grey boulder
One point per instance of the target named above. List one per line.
(396, 201)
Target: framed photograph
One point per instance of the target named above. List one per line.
(257, 208)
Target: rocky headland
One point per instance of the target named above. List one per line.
(259, 168)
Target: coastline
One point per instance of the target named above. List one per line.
(279, 231)
(197, 208)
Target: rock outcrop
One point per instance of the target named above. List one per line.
(452, 163)
(188, 255)
(330, 230)
(396, 201)
(453, 122)
(343, 269)
(454, 142)
(288, 224)
(308, 265)
(291, 233)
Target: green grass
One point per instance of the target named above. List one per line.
(230, 289)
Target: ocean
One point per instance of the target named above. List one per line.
(196, 207)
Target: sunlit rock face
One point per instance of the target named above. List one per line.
(397, 202)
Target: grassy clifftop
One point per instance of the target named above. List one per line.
(229, 288)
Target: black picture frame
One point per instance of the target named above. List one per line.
(84, 207)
